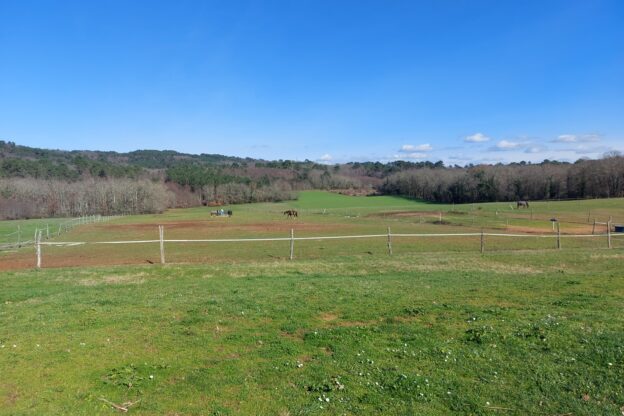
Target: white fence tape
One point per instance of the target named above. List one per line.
(332, 237)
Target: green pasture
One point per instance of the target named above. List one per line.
(327, 214)
(514, 333)
(24, 230)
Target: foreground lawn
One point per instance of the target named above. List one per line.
(505, 333)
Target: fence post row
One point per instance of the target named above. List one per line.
(161, 231)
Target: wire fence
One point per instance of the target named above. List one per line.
(390, 238)
(26, 236)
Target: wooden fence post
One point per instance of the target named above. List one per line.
(482, 242)
(558, 236)
(594, 227)
(38, 248)
(161, 232)
(609, 232)
(389, 242)
(19, 236)
(292, 243)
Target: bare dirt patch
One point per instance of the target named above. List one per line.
(565, 229)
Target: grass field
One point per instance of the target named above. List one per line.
(345, 329)
(505, 333)
(326, 214)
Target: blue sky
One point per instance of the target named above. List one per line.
(334, 81)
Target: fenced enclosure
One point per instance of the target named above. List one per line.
(367, 227)
(291, 247)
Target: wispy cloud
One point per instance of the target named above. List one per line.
(506, 145)
(574, 138)
(477, 138)
(583, 149)
(535, 149)
(325, 158)
(413, 155)
(410, 148)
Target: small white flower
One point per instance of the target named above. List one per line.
(151, 377)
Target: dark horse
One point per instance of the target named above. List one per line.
(291, 213)
(522, 204)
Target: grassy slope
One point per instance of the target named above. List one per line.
(529, 333)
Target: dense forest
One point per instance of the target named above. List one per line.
(41, 182)
(603, 178)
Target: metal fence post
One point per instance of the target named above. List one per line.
(389, 242)
(292, 243)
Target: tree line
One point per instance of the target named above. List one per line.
(40, 182)
(38, 198)
(603, 178)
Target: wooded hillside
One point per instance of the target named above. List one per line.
(40, 182)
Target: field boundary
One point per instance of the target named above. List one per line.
(38, 244)
(47, 233)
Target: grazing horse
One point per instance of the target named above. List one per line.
(522, 204)
(291, 213)
(214, 213)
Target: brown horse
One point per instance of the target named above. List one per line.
(522, 204)
(291, 213)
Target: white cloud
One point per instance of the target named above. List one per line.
(583, 149)
(413, 155)
(573, 138)
(410, 148)
(506, 145)
(535, 149)
(326, 158)
(565, 138)
(477, 138)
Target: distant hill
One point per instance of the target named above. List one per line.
(24, 161)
